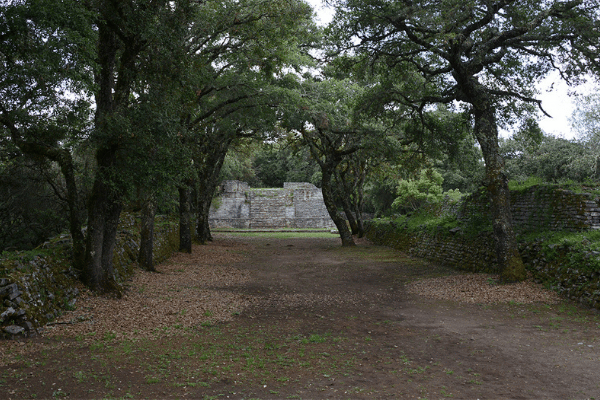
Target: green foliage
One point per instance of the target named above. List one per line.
(569, 251)
(30, 210)
(427, 189)
(586, 120)
(550, 159)
(276, 163)
(521, 186)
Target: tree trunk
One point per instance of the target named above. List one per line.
(104, 212)
(344, 197)
(185, 220)
(327, 169)
(509, 259)
(349, 215)
(203, 228)
(111, 225)
(65, 161)
(145, 256)
(208, 180)
(358, 202)
(75, 221)
(359, 219)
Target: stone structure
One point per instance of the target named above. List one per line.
(542, 208)
(296, 205)
(35, 290)
(571, 270)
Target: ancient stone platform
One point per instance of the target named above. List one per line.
(297, 205)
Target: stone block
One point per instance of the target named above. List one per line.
(14, 330)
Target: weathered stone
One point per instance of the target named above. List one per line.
(8, 289)
(296, 205)
(14, 329)
(8, 313)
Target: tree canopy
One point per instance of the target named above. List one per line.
(130, 104)
(486, 55)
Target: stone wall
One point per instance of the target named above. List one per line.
(457, 250)
(35, 287)
(543, 208)
(296, 205)
(572, 271)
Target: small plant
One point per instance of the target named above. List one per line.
(316, 338)
(152, 379)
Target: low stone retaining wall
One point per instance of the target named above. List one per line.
(473, 254)
(35, 287)
(571, 271)
(542, 208)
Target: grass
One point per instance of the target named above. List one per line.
(280, 234)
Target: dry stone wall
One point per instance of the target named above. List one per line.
(296, 205)
(572, 271)
(542, 208)
(35, 287)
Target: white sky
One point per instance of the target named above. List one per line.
(557, 102)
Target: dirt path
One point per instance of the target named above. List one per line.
(304, 318)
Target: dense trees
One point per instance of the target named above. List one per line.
(115, 104)
(241, 55)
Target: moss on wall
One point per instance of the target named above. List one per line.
(557, 239)
(36, 286)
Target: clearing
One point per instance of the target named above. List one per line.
(303, 318)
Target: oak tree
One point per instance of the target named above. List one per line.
(485, 54)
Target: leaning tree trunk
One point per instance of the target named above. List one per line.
(203, 233)
(358, 205)
(145, 256)
(327, 169)
(344, 197)
(65, 161)
(208, 180)
(75, 221)
(509, 259)
(185, 220)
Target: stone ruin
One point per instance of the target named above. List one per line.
(298, 205)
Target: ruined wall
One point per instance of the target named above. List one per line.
(37, 286)
(542, 208)
(296, 205)
(571, 270)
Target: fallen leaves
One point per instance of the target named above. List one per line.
(481, 288)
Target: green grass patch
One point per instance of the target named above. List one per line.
(280, 234)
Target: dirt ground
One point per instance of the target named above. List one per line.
(266, 318)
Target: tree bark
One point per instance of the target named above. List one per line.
(75, 220)
(208, 180)
(358, 205)
(344, 197)
(327, 169)
(104, 212)
(203, 228)
(145, 256)
(185, 220)
(509, 259)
